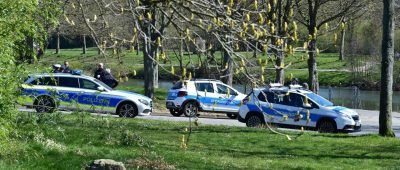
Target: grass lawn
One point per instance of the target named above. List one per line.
(134, 63)
(70, 142)
(299, 60)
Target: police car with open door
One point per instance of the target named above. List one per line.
(190, 96)
(48, 92)
(294, 106)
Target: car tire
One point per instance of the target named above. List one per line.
(255, 120)
(190, 109)
(232, 115)
(326, 126)
(44, 104)
(127, 109)
(176, 112)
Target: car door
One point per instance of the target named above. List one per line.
(206, 95)
(294, 108)
(91, 98)
(228, 99)
(68, 92)
(266, 100)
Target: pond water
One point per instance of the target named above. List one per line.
(342, 96)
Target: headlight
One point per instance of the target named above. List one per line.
(145, 102)
(346, 116)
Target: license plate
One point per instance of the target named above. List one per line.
(170, 104)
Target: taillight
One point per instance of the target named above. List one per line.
(182, 93)
(245, 100)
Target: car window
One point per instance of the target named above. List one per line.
(270, 97)
(318, 99)
(282, 99)
(103, 85)
(222, 89)
(205, 87)
(68, 82)
(45, 81)
(296, 100)
(86, 84)
(177, 85)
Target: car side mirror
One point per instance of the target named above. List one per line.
(101, 88)
(307, 105)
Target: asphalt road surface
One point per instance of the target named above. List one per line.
(369, 119)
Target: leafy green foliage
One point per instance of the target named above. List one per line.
(20, 22)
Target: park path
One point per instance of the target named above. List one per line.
(369, 119)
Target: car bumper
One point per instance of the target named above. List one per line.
(171, 105)
(145, 110)
(352, 128)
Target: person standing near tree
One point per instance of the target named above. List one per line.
(65, 67)
(109, 79)
(100, 72)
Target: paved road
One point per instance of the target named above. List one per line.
(370, 120)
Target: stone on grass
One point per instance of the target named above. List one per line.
(105, 164)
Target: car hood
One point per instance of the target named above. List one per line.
(129, 94)
(343, 110)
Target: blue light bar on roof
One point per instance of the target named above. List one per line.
(76, 72)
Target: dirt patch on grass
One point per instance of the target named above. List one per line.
(146, 163)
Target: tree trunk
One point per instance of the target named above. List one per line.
(149, 68)
(58, 42)
(228, 76)
(138, 48)
(155, 72)
(280, 72)
(255, 50)
(30, 50)
(149, 50)
(84, 44)
(180, 56)
(342, 41)
(312, 67)
(385, 109)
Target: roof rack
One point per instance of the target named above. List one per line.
(277, 87)
(295, 86)
(196, 79)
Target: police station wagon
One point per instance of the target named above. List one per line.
(295, 106)
(190, 96)
(48, 92)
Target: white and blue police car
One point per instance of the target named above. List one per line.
(190, 96)
(294, 106)
(63, 91)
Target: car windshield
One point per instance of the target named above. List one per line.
(102, 84)
(319, 100)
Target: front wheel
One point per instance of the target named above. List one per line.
(176, 112)
(326, 126)
(127, 110)
(190, 109)
(232, 116)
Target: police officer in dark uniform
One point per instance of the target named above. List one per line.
(100, 72)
